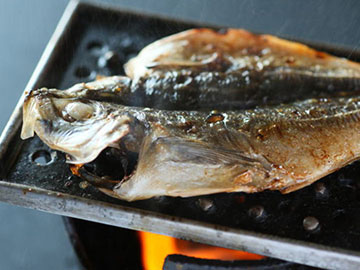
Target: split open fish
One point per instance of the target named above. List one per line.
(204, 70)
(235, 69)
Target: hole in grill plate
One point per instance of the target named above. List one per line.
(41, 157)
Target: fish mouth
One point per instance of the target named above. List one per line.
(100, 172)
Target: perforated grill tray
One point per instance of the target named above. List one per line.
(318, 225)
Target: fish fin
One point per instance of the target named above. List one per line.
(30, 115)
(176, 166)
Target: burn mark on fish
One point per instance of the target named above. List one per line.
(321, 55)
(214, 117)
(290, 60)
(188, 127)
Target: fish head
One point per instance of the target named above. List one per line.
(79, 127)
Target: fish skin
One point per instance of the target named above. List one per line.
(122, 90)
(188, 153)
(203, 69)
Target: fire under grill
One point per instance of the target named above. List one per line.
(318, 225)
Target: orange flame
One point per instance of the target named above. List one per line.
(74, 168)
(156, 247)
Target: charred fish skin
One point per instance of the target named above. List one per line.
(204, 69)
(185, 90)
(242, 68)
(188, 153)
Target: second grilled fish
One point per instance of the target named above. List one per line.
(205, 69)
(235, 69)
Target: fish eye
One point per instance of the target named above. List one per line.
(78, 110)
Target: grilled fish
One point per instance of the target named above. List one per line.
(187, 153)
(203, 69)
(235, 69)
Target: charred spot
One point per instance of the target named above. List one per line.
(220, 63)
(296, 112)
(260, 135)
(276, 167)
(256, 51)
(290, 60)
(214, 117)
(188, 127)
(275, 182)
(320, 55)
(183, 80)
